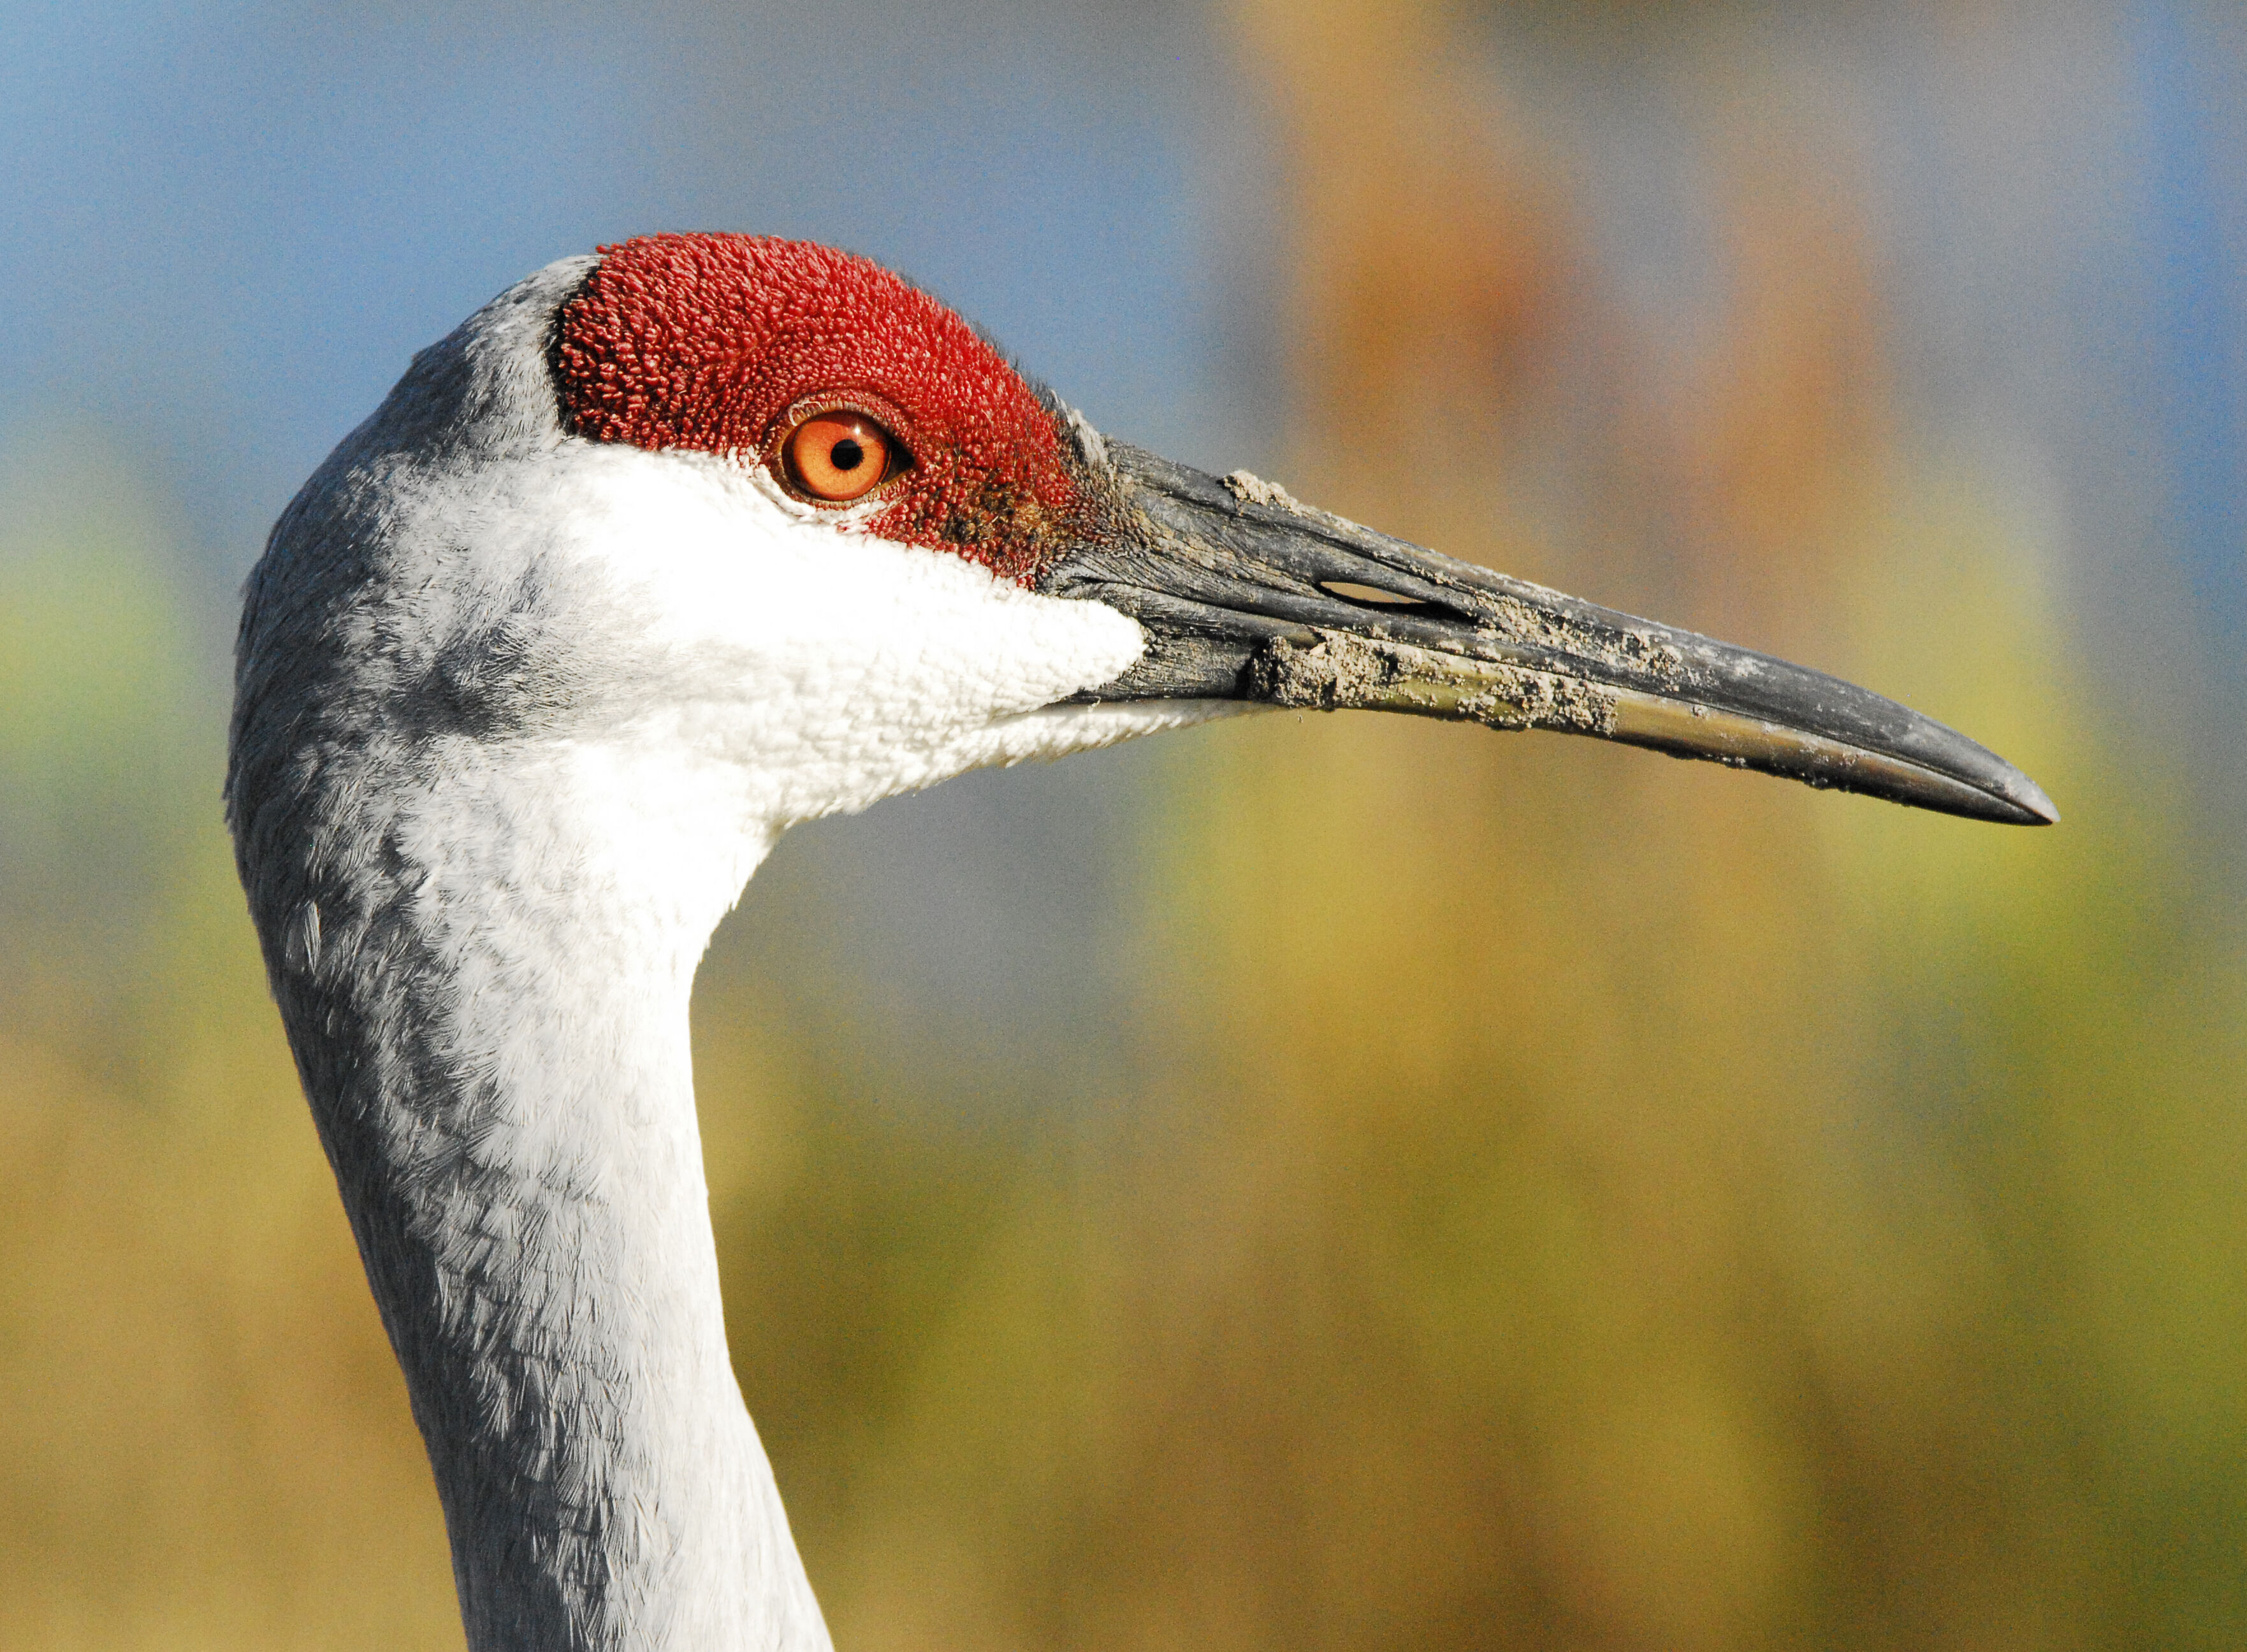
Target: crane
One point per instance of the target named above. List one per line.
(663, 550)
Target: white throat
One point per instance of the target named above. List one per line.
(793, 665)
(603, 1485)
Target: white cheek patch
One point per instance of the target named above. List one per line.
(824, 667)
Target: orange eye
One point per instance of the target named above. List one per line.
(838, 456)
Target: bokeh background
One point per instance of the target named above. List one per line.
(1314, 1183)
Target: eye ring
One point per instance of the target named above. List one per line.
(837, 455)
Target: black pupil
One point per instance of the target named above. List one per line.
(847, 454)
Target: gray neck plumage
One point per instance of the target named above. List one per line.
(516, 1146)
(489, 1014)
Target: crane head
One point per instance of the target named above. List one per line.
(743, 528)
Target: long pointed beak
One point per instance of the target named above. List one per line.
(1245, 594)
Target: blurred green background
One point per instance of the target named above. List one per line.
(1316, 1182)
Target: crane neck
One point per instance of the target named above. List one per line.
(487, 987)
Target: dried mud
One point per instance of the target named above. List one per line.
(1252, 489)
(1339, 671)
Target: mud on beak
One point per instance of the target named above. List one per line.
(1245, 594)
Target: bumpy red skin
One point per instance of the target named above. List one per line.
(711, 342)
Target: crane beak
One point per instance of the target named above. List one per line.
(1245, 594)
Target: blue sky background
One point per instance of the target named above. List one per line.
(227, 226)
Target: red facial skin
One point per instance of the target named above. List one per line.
(723, 343)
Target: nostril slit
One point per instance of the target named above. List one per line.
(1370, 595)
